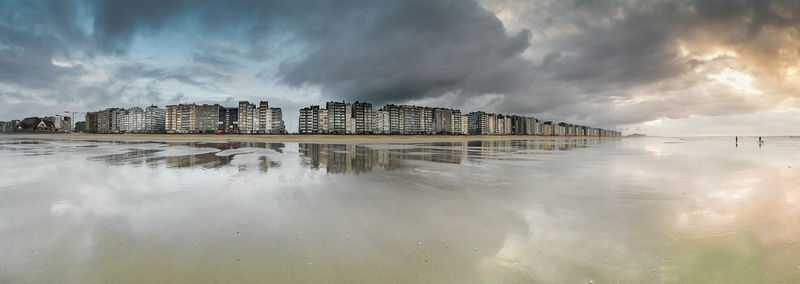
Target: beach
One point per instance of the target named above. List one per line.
(78, 208)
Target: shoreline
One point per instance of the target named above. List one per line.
(312, 138)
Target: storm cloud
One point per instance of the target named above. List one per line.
(604, 63)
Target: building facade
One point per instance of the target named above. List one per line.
(154, 120)
(478, 123)
(338, 117)
(443, 121)
(364, 118)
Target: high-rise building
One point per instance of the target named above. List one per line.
(154, 119)
(91, 122)
(247, 115)
(136, 120)
(206, 118)
(456, 121)
(228, 120)
(324, 121)
(309, 120)
(478, 123)
(120, 121)
(517, 125)
(276, 125)
(186, 118)
(382, 122)
(547, 128)
(425, 120)
(105, 120)
(396, 119)
(338, 117)
(411, 119)
(464, 124)
(351, 122)
(500, 126)
(261, 122)
(443, 121)
(364, 117)
(491, 123)
(504, 125)
(537, 126)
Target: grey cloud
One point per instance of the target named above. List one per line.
(602, 51)
(212, 59)
(193, 76)
(562, 59)
(414, 50)
(385, 51)
(115, 21)
(25, 57)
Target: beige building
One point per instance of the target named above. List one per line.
(382, 122)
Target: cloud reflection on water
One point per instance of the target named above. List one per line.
(631, 210)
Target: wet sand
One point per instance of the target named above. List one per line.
(345, 139)
(649, 210)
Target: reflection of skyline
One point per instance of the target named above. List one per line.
(151, 157)
(341, 158)
(334, 158)
(640, 210)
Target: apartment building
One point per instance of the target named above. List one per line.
(478, 123)
(338, 117)
(425, 120)
(396, 119)
(154, 119)
(228, 120)
(547, 128)
(246, 113)
(382, 122)
(135, 120)
(443, 121)
(276, 125)
(411, 119)
(309, 120)
(364, 118)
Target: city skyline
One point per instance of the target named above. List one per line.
(336, 117)
(654, 67)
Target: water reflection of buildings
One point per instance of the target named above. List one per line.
(340, 158)
(503, 149)
(343, 158)
(501, 146)
(149, 157)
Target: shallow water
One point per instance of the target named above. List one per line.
(550, 211)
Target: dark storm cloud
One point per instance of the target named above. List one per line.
(28, 62)
(27, 44)
(409, 51)
(594, 54)
(381, 50)
(116, 21)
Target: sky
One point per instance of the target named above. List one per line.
(676, 68)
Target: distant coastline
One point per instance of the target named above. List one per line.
(291, 137)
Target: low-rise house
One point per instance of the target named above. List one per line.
(35, 124)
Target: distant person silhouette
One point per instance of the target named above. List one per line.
(737, 141)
